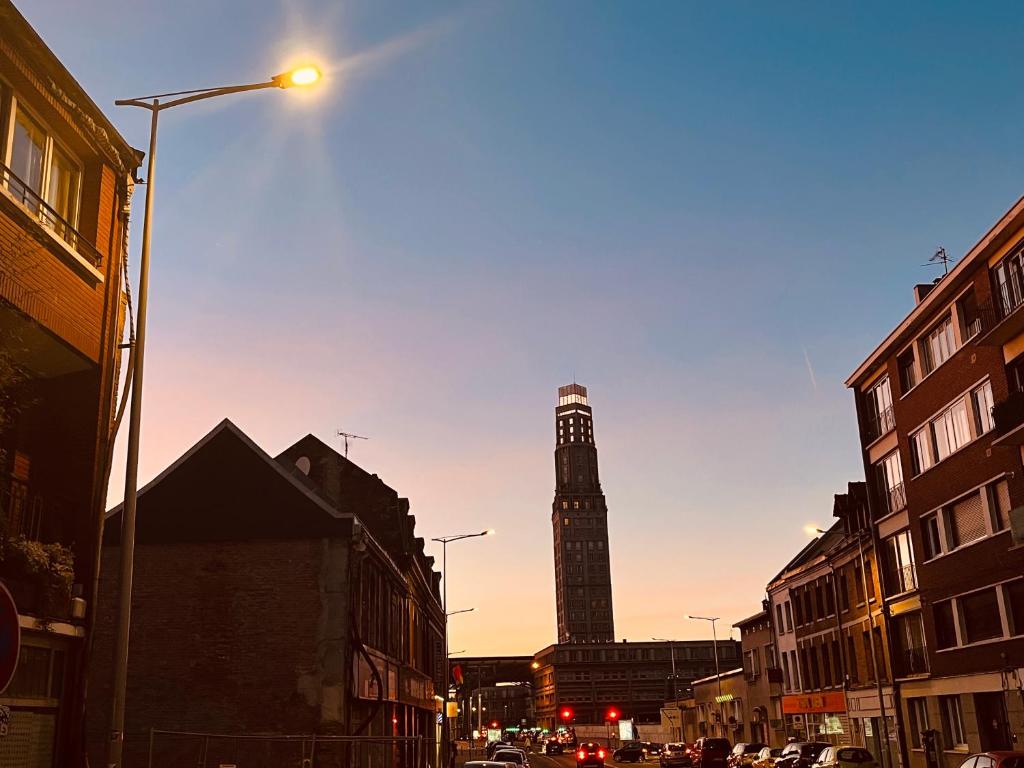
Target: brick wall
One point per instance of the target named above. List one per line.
(225, 637)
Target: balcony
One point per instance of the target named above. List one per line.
(911, 661)
(901, 579)
(1008, 415)
(879, 424)
(893, 500)
(21, 512)
(33, 204)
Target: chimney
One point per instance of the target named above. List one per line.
(921, 290)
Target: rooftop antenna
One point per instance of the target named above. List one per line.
(940, 257)
(346, 436)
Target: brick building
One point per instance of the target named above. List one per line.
(273, 595)
(66, 178)
(938, 403)
(634, 678)
(763, 677)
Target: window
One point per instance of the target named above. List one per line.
(844, 592)
(899, 563)
(789, 617)
(44, 168)
(865, 639)
(778, 618)
(870, 578)
(981, 397)
(939, 345)
(980, 613)
(970, 316)
(917, 707)
(920, 450)
(1006, 276)
(785, 672)
(858, 584)
(826, 666)
(999, 505)
(951, 430)
(967, 521)
(908, 371)
(945, 627)
(851, 659)
(878, 400)
(930, 535)
(890, 480)
(1013, 597)
(909, 646)
(952, 722)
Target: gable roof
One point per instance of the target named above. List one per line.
(225, 487)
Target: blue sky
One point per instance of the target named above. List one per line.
(708, 212)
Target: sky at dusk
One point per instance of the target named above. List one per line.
(708, 213)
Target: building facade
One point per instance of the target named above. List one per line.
(635, 679)
(579, 521)
(66, 178)
(273, 595)
(763, 677)
(939, 408)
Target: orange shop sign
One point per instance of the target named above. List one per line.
(808, 703)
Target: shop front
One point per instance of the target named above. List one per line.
(817, 717)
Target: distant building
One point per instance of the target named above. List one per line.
(940, 403)
(273, 595)
(579, 520)
(763, 677)
(716, 706)
(66, 177)
(633, 678)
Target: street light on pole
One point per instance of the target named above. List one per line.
(300, 76)
(672, 653)
(445, 541)
(718, 672)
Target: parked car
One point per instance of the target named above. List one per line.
(495, 745)
(744, 753)
(553, 747)
(766, 757)
(590, 753)
(845, 757)
(653, 748)
(800, 754)
(675, 756)
(484, 764)
(710, 752)
(511, 755)
(630, 752)
(994, 760)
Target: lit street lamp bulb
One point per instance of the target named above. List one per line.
(301, 76)
(490, 532)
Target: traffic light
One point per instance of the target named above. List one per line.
(566, 714)
(494, 724)
(613, 715)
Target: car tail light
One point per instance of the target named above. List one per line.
(582, 754)
(600, 753)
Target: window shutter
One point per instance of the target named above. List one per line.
(968, 520)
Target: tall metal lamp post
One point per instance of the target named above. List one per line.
(672, 652)
(302, 76)
(718, 672)
(445, 541)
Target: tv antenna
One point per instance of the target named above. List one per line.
(346, 436)
(940, 257)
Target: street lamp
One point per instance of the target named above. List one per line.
(445, 541)
(718, 672)
(301, 76)
(672, 653)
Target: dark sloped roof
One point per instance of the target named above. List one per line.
(225, 487)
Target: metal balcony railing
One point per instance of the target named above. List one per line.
(47, 216)
(894, 499)
(901, 579)
(21, 512)
(1009, 413)
(879, 424)
(911, 661)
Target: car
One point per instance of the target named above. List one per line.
(510, 755)
(766, 757)
(845, 757)
(630, 752)
(484, 764)
(744, 753)
(590, 753)
(494, 745)
(994, 760)
(710, 752)
(675, 755)
(553, 747)
(800, 754)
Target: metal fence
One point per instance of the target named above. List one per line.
(189, 749)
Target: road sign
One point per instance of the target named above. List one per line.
(10, 638)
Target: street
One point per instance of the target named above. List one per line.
(538, 760)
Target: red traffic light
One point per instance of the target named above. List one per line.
(566, 714)
(613, 714)
(494, 724)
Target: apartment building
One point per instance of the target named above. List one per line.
(831, 639)
(939, 408)
(763, 677)
(66, 179)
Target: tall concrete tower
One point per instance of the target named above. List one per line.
(579, 520)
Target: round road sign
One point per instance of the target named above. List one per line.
(10, 638)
